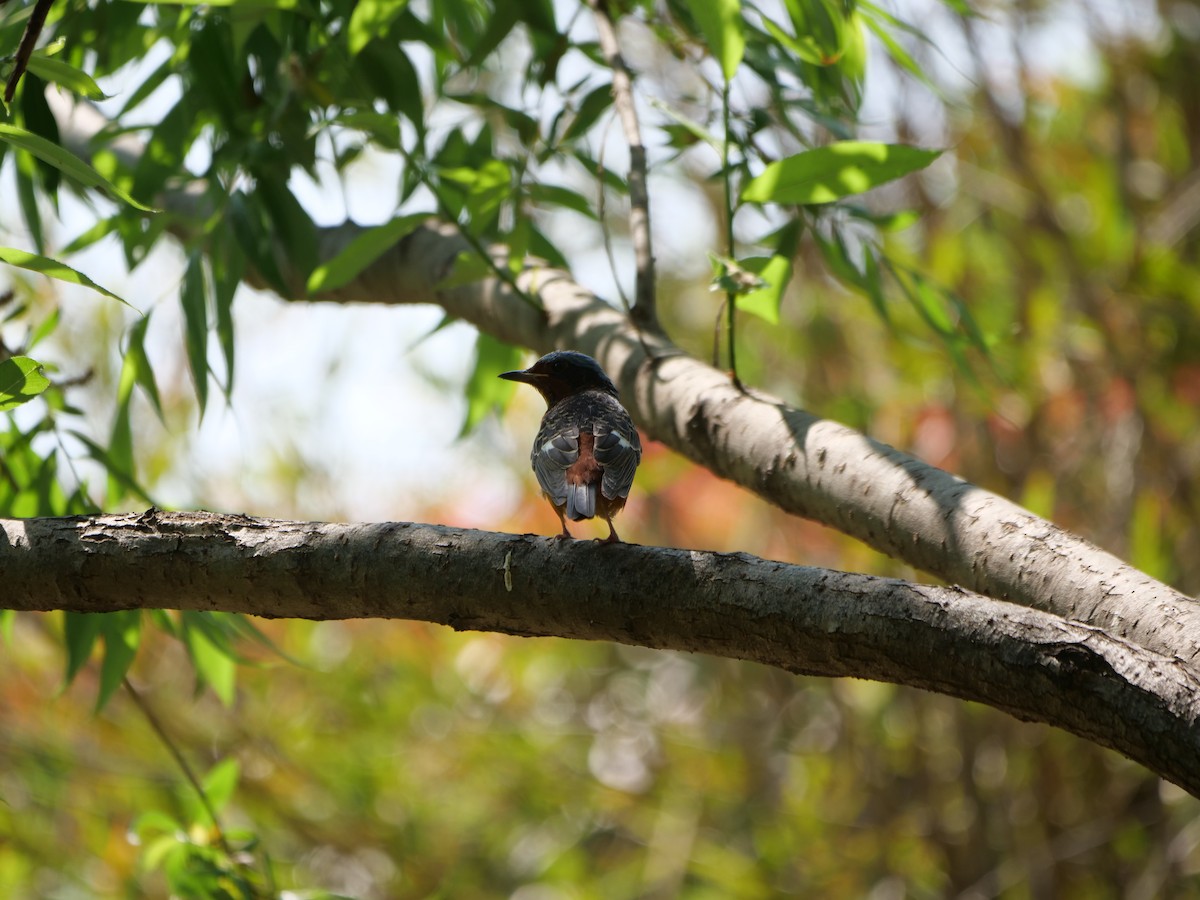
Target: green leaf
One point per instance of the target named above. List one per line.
(194, 298)
(253, 234)
(590, 108)
(215, 667)
(67, 163)
(838, 170)
(7, 618)
(122, 633)
(805, 46)
(290, 223)
(27, 196)
(155, 821)
(691, 126)
(209, 641)
(80, 631)
(137, 363)
(44, 328)
(52, 268)
(730, 277)
(220, 783)
(720, 22)
(123, 476)
(361, 252)
(775, 273)
(21, 380)
(897, 52)
(564, 198)
(469, 267)
(227, 263)
(370, 19)
(487, 186)
(66, 75)
(485, 390)
(241, 4)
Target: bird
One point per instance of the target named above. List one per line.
(587, 448)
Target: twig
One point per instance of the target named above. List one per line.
(731, 297)
(144, 707)
(502, 272)
(33, 30)
(601, 211)
(601, 203)
(644, 311)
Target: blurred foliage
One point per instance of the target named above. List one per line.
(1023, 312)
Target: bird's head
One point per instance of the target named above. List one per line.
(562, 373)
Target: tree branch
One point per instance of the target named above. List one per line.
(804, 464)
(806, 620)
(644, 311)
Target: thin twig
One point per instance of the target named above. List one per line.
(601, 203)
(644, 311)
(601, 211)
(172, 748)
(726, 177)
(33, 30)
(502, 272)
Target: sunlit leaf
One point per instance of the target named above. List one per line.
(775, 272)
(215, 666)
(370, 19)
(838, 170)
(66, 162)
(21, 380)
(52, 268)
(720, 22)
(805, 46)
(220, 782)
(361, 252)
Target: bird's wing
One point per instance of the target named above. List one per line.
(618, 450)
(553, 454)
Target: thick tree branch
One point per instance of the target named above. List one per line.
(812, 621)
(802, 463)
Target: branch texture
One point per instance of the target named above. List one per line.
(806, 620)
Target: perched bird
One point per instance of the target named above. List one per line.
(587, 449)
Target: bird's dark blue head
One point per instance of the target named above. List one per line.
(562, 373)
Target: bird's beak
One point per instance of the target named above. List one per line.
(524, 375)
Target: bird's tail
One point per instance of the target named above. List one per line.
(581, 501)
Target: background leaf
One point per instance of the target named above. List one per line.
(52, 268)
(720, 22)
(66, 162)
